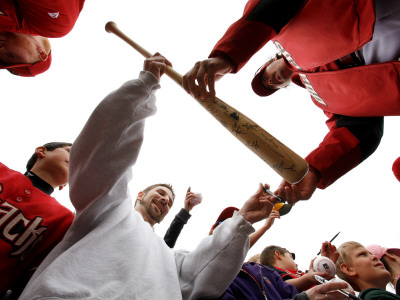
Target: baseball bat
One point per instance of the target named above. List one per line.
(278, 156)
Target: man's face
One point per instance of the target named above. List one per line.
(157, 203)
(17, 48)
(277, 75)
(288, 261)
(368, 267)
(57, 162)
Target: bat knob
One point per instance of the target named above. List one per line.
(110, 26)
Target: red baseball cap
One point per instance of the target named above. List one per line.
(396, 168)
(257, 83)
(379, 251)
(29, 70)
(225, 214)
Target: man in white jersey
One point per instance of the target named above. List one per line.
(111, 251)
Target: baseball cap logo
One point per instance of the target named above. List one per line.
(54, 15)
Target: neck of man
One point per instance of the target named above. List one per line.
(145, 216)
(39, 183)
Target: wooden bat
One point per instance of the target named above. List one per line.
(279, 157)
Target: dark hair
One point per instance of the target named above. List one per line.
(267, 255)
(49, 147)
(168, 186)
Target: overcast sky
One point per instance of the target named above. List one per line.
(184, 145)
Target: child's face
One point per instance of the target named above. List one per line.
(288, 262)
(57, 162)
(368, 267)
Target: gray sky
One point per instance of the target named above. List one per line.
(184, 145)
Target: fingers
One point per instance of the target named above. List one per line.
(332, 286)
(275, 214)
(194, 81)
(203, 76)
(290, 193)
(156, 64)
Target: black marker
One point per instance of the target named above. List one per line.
(346, 293)
(272, 194)
(330, 241)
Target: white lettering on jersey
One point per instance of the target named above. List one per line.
(287, 55)
(54, 15)
(19, 231)
(311, 90)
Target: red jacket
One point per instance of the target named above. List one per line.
(329, 30)
(48, 18)
(31, 224)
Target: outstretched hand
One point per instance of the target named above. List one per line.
(327, 291)
(271, 218)
(259, 206)
(328, 250)
(302, 190)
(190, 200)
(203, 75)
(156, 64)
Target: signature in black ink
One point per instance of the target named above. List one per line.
(236, 129)
(249, 126)
(253, 144)
(281, 167)
(235, 115)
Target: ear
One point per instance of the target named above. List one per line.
(140, 196)
(61, 187)
(348, 270)
(277, 255)
(40, 151)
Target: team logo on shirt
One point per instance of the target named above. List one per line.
(2, 13)
(54, 15)
(287, 55)
(303, 77)
(311, 90)
(19, 231)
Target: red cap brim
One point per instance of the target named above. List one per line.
(30, 70)
(257, 85)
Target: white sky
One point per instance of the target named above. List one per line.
(184, 145)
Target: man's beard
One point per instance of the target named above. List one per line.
(154, 215)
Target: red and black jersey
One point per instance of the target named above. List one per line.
(32, 223)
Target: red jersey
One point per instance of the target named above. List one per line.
(31, 224)
(48, 18)
(351, 139)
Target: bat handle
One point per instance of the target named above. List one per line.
(174, 75)
(112, 27)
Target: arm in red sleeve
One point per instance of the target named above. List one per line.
(261, 21)
(349, 142)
